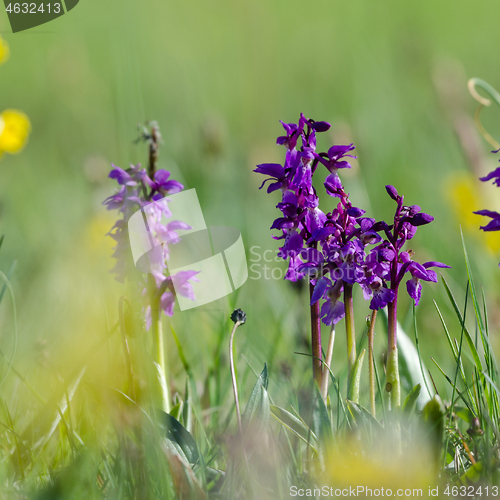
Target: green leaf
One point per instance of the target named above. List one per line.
(462, 397)
(455, 355)
(433, 415)
(410, 402)
(180, 437)
(187, 413)
(257, 410)
(356, 377)
(182, 356)
(361, 415)
(473, 474)
(176, 410)
(473, 291)
(410, 370)
(321, 420)
(464, 413)
(293, 424)
(468, 337)
(212, 474)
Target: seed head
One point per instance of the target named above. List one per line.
(239, 316)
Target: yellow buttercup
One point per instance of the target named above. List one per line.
(4, 50)
(15, 128)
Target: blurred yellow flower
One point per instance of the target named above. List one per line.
(15, 127)
(364, 470)
(467, 195)
(95, 239)
(4, 50)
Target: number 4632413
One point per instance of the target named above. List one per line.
(33, 8)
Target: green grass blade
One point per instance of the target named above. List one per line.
(468, 338)
(451, 383)
(418, 352)
(14, 319)
(455, 355)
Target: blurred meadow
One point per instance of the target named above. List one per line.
(218, 76)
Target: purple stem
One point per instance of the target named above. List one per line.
(349, 329)
(316, 339)
(392, 312)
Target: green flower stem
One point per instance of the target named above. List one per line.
(162, 395)
(371, 363)
(393, 385)
(233, 376)
(349, 329)
(356, 378)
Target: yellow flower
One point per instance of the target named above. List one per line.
(467, 194)
(15, 127)
(95, 239)
(381, 468)
(4, 50)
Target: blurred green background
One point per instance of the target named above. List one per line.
(218, 76)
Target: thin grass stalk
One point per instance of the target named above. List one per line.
(459, 360)
(417, 344)
(371, 364)
(328, 362)
(455, 355)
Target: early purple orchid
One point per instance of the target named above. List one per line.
(162, 183)
(168, 287)
(334, 159)
(328, 248)
(132, 197)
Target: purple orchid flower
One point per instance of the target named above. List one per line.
(333, 310)
(169, 287)
(122, 176)
(292, 134)
(421, 272)
(380, 295)
(495, 175)
(162, 182)
(333, 186)
(276, 173)
(334, 159)
(128, 200)
(116, 201)
(494, 224)
(130, 177)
